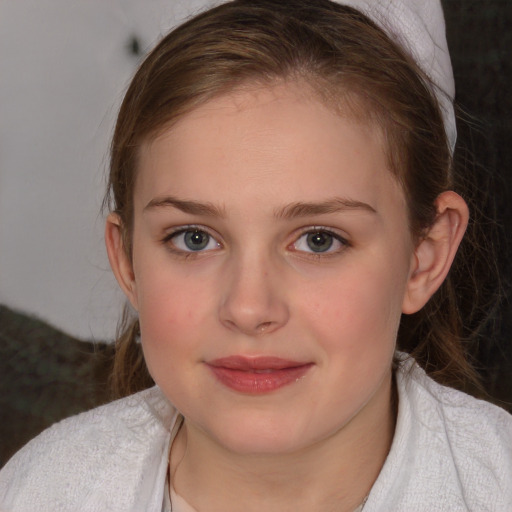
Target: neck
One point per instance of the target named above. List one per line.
(335, 474)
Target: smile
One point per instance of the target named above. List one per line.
(257, 375)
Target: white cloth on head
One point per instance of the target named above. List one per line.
(419, 27)
(450, 452)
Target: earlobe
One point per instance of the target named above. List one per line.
(118, 257)
(436, 251)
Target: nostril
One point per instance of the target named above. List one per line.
(252, 308)
(264, 326)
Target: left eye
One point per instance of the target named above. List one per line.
(319, 242)
(193, 240)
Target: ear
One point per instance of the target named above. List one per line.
(118, 257)
(436, 250)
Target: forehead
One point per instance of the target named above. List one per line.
(271, 143)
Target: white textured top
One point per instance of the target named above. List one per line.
(450, 453)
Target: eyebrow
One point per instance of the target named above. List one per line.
(334, 205)
(290, 211)
(186, 206)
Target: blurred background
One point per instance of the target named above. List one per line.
(64, 66)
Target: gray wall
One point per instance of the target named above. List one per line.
(63, 67)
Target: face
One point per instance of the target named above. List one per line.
(271, 256)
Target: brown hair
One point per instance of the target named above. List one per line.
(343, 57)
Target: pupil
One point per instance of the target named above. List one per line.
(319, 242)
(196, 240)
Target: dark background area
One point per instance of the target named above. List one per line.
(480, 40)
(46, 375)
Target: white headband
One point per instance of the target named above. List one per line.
(418, 26)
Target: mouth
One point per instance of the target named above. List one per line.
(257, 375)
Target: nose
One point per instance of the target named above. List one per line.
(253, 301)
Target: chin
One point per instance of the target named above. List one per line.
(259, 435)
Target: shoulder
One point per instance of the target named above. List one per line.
(92, 456)
(466, 420)
(450, 450)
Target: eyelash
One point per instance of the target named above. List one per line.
(183, 253)
(168, 241)
(344, 243)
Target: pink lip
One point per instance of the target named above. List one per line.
(257, 375)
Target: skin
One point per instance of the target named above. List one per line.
(247, 160)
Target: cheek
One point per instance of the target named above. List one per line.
(175, 312)
(165, 308)
(356, 312)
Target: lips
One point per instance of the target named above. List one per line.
(257, 375)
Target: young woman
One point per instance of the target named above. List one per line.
(283, 224)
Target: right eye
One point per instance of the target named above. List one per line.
(192, 240)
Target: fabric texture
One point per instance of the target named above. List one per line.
(450, 452)
(418, 26)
